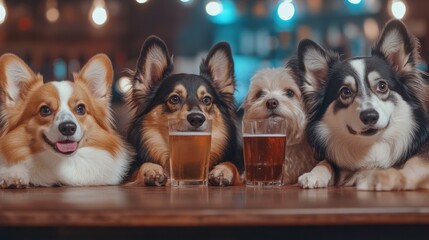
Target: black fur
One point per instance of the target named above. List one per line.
(407, 83)
(161, 86)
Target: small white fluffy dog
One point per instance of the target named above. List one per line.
(275, 93)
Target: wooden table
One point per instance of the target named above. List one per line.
(163, 210)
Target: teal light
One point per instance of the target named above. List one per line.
(222, 12)
(60, 69)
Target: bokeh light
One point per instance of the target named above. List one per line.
(398, 9)
(286, 10)
(214, 8)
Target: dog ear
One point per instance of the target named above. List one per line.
(219, 67)
(314, 62)
(153, 65)
(97, 74)
(398, 46)
(16, 77)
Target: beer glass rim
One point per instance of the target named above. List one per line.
(255, 122)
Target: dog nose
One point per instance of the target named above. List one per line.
(196, 119)
(369, 116)
(272, 103)
(67, 128)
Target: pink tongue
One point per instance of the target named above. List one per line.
(66, 147)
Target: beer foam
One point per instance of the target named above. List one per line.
(264, 135)
(190, 134)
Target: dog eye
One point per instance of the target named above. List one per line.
(345, 92)
(289, 93)
(80, 109)
(45, 111)
(207, 100)
(175, 99)
(382, 87)
(260, 94)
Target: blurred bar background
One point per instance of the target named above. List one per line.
(56, 37)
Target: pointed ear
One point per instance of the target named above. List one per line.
(153, 65)
(314, 62)
(219, 67)
(97, 74)
(15, 78)
(398, 46)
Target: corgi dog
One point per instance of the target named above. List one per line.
(157, 95)
(367, 116)
(275, 93)
(58, 133)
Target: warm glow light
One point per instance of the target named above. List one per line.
(398, 9)
(3, 12)
(99, 12)
(124, 84)
(141, 1)
(286, 10)
(52, 14)
(370, 28)
(214, 8)
(355, 1)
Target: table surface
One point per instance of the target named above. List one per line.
(208, 206)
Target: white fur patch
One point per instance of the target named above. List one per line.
(155, 64)
(16, 74)
(95, 74)
(359, 67)
(64, 114)
(393, 43)
(382, 150)
(314, 62)
(222, 78)
(12, 174)
(88, 166)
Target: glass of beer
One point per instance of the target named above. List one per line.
(264, 148)
(189, 150)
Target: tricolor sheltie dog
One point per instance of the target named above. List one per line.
(158, 95)
(275, 93)
(58, 133)
(367, 116)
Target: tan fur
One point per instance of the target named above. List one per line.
(22, 136)
(155, 129)
(153, 66)
(274, 83)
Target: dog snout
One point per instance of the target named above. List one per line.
(369, 117)
(272, 103)
(196, 119)
(67, 128)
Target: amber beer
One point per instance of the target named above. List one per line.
(265, 156)
(189, 157)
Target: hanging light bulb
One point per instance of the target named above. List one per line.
(98, 13)
(52, 13)
(3, 11)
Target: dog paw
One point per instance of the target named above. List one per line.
(382, 180)
(221, 175)
(14, 177)
(312, 180)
(153, 174)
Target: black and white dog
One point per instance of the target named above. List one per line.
(367, 116)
